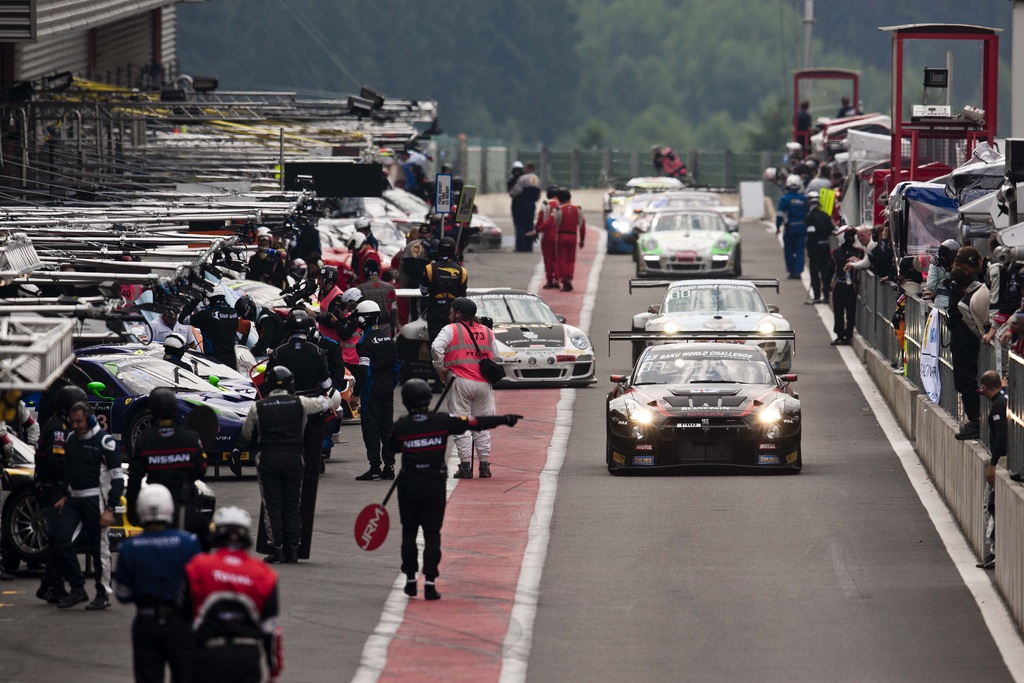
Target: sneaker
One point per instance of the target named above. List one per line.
(838, 341)
(101, 601)
(372, 474)
(4, 576)
(988, 563)
(410, 587)
(465, 471)
(291, 554)
(811, 302)
(970, 430)
(485, 469)
(430, 592)
(566, 287)
(76, 596)
(551, 284)
(388, 472)
(276, 555)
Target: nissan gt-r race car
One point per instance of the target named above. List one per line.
(715, 306)
(702, 404)
(535, 346)
(687, 242)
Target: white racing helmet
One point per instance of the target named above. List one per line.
(352, 295)
(232, 516)
(175, 343)
(793, 182)
(362, 223)
(356, 241)
(155, 504)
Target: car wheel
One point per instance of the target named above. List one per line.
(24, 530)
(739, 262)
(140, 425)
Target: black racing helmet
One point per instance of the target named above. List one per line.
(465, 306)
(163, 404)
(564, 195)
(446, 248)
(68, 396)
(416, 394)
(245, 307)
(947, 253)
(552, 191)
(329, 275)
(298, 321)
(371, 267)
(279, 377)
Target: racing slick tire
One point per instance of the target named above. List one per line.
(738, 269)
(140, 423)
(24, 530)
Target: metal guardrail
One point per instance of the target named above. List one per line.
(876, 304)
(34, 351)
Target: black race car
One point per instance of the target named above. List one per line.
(706, 404)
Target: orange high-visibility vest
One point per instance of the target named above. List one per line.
(461, 356)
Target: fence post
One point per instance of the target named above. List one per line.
(693, 168)
(463, 156)
(634, 164)
(730, 170)
(545, 166)
(574, 169)
(606, 166)
(484, 156)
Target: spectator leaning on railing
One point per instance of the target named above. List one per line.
(967, 317)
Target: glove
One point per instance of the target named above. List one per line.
(581, 244)
(235, 463)
(511, 419)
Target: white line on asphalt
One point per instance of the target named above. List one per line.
(519, 638)
(375, 650)
(993, 610)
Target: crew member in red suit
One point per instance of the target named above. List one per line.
(362, 251)
(548, 240)
(234, 606)
(570, 226)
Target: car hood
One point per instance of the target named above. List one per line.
(739, 399)
(696, 240)
(528, 336)
(718, 322)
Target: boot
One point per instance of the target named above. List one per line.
(465, 471)
(551, 284)
(485, 469)
(372, 474)
(388, 472)
(430, 591)
(291, 553)
(101, 601)
(76, 596)
(410, 587)
(970, 430)
(51, 594)
(567, 285)
(276, 555)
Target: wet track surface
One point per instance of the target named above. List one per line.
(835, 574)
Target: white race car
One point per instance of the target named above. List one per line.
(716, 306)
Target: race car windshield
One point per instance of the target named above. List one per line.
(713, 298)
(661, 370)
(674, 222)
(515, 309)
(141, 376)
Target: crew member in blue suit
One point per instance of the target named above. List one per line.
(792, 213)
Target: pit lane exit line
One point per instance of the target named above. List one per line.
(993, 610)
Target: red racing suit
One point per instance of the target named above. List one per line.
(568, 222)
(234, 601)
(548, 239)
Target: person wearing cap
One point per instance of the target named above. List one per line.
(364, 226)
(267, 264)
(234, 605)
(218, 324)
(167, 323)
(422, 439)
(844, 286)
(819, 227)
(524, 188)
(268, 323)
(384, 293)
(171, 455)
(151, 574)
(457, 351)
(379, 356)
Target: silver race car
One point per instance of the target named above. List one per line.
(716, 306)
(686, 242)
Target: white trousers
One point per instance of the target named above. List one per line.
(472, 399)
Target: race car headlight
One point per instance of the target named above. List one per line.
(770, 415)
(772, 432)
(619, 225)
(670, 328)
(579, 340)
(766, 327)
(722, 244)
(638, 413)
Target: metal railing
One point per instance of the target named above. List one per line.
(876, 304)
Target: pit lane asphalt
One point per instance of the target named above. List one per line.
(835, 574)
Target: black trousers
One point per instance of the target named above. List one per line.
(437, 318)
(522, 219)
(844, 309)
(377, 417)
(230, 664)
(280, 480)
(52, 573)
(84, 511)
(157, 642)
(819, 261)
(964, 347)
(421, 502)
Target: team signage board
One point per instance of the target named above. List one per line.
(465, 211)
(443, 193)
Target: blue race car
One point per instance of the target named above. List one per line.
(119, 384)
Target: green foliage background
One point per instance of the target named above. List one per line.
(708, 74)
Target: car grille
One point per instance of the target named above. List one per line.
(544, 373)
(581, 370)
(706, 451)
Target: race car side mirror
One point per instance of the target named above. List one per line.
(97, 389)
(214, 380)
(790, 377)
(561, 318)
(618, 379)
(655, 309)
(772, 308)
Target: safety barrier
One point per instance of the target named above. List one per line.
(958, 468)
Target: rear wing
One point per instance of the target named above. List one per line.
(637, 283)
(722, 336)
(410, 293)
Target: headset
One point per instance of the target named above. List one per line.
(90, 416)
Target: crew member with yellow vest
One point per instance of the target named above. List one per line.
(444, 281)
(458, 350)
